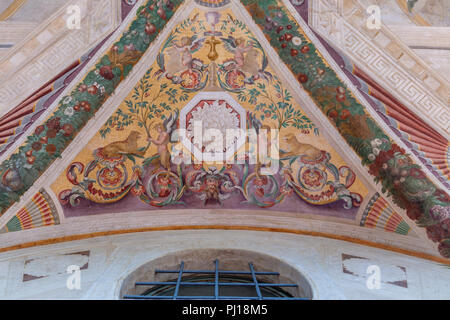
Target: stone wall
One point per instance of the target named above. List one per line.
(334, 269)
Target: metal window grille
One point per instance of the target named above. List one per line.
(216, 284)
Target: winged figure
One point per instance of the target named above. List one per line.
(245, 55)
(180, 54)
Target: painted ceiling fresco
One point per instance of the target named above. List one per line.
(212, 69)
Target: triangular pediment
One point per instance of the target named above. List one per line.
(231, 65)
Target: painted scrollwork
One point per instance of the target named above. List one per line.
(212, 184)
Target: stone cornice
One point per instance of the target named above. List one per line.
(383, 56)
(51, 47)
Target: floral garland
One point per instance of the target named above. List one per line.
(22, 169)
(387, 162)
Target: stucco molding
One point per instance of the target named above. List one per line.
(51, 47)
(385, 58)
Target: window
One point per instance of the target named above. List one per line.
(215, 285)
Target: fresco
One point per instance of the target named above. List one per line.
(210, 69)
(389, 164)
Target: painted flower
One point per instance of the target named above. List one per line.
(371, 157)
(440, 213)
(82, 88)
(110, 177)
(69, 111)
(376, 151)
(376, 143)
(297, 41)
(312, 178)
(190, 79)
(138, 190)
(106, 72)
(67, 99)
(235, 79)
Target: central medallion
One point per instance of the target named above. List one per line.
(212, 123)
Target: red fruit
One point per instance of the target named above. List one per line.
(281, 39)
(36, 146)
(39, 130)
(92, 90)
(51, 133)
(68, 129)
(161, 13)
(279, 29)
(54, 124)
(51, 148)
(340, 90)
(284, 45)
(31, 159)
(29, 153)
(304, 49)
(288, 36)
(294, 52)
(345, 114)
(150, 28)
(302, 78)
(106, 72)
(77, 107)
(43, 140)
(340, 97)
(289, 27)
(333, 114)
(82, 88)
(152, 7)
(85, 105)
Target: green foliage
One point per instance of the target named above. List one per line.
(144, 106)
(278, 107)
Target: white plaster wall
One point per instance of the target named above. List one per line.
(112, 258)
